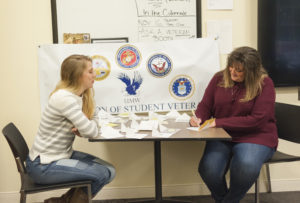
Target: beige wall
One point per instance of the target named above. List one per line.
(26, 24)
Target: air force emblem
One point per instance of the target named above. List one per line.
(182, 87)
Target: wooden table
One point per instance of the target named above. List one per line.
(184, 135)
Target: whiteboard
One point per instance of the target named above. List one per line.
(137, 20)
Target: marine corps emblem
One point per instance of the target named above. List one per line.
(159, 65)
(182, 87)
(128, 57)
(101, 67)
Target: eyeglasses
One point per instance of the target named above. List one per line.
(237, 69)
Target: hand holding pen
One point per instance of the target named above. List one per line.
(194, 121)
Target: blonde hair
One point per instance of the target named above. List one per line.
(71, 71)
(254, 72)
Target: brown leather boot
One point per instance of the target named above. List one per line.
(65, 198)
(79, 196)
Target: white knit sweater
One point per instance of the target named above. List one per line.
(54, 138)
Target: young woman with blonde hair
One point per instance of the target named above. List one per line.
(70, 112)
(241, 98)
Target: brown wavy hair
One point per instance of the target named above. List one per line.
(254, 72)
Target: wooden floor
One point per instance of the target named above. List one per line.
(275, 197)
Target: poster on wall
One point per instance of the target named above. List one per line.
(138, 77)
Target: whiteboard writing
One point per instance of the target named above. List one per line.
(161, 20)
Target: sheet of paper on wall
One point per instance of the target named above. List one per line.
(221, 30)
(219, 4)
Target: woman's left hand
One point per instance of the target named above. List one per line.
(76, 132)
(213, 124)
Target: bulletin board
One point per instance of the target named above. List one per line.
(135, 20)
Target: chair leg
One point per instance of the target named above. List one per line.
(22, 197)
(269, 178)
(257, 190)
(89, 193)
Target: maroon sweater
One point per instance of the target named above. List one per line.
(250, 122)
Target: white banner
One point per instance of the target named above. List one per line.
(138, 77)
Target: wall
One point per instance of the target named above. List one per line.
(25, 25)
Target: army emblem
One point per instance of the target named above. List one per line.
(182, 87)
(128, 57)
(101, 67)
(159, 65)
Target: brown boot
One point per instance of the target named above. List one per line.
(65, 198)
(53, 200)
(79, 196)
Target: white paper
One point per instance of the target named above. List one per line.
(162, 128)
(136, 136)
(193, 128)
(183, 118)
(197, 128)
(134, 125)
(109, 132)
(148, 125)
(173, 114)
(167, 132)
(221, 31)
(220, 4)
(133, 116)
(123, 128)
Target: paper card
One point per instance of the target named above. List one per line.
(109, 132)
(173, 114)
(183, 118)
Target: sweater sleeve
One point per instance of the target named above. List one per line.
(72, 110)
(204, 108)
(261, 112)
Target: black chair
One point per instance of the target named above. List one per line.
(20, 151)
(288, 128)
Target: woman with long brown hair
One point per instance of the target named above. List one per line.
(241, 100)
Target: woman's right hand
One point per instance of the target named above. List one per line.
(195, 122)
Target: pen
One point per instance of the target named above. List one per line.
(193, 112)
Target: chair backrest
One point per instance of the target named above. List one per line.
(17, 144)
(288, 121)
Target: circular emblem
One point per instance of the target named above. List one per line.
(159, 65)
(101, 67)
(128, 57)
(182, 87)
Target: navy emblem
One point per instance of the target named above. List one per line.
(159, 65)
(131, 85)
(128, 57)
(182, 87)
(101, 67)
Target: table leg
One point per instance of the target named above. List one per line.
(158, 184)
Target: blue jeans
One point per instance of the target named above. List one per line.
(244, 161)
(80, 166)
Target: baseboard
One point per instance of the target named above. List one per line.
(148, 192)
